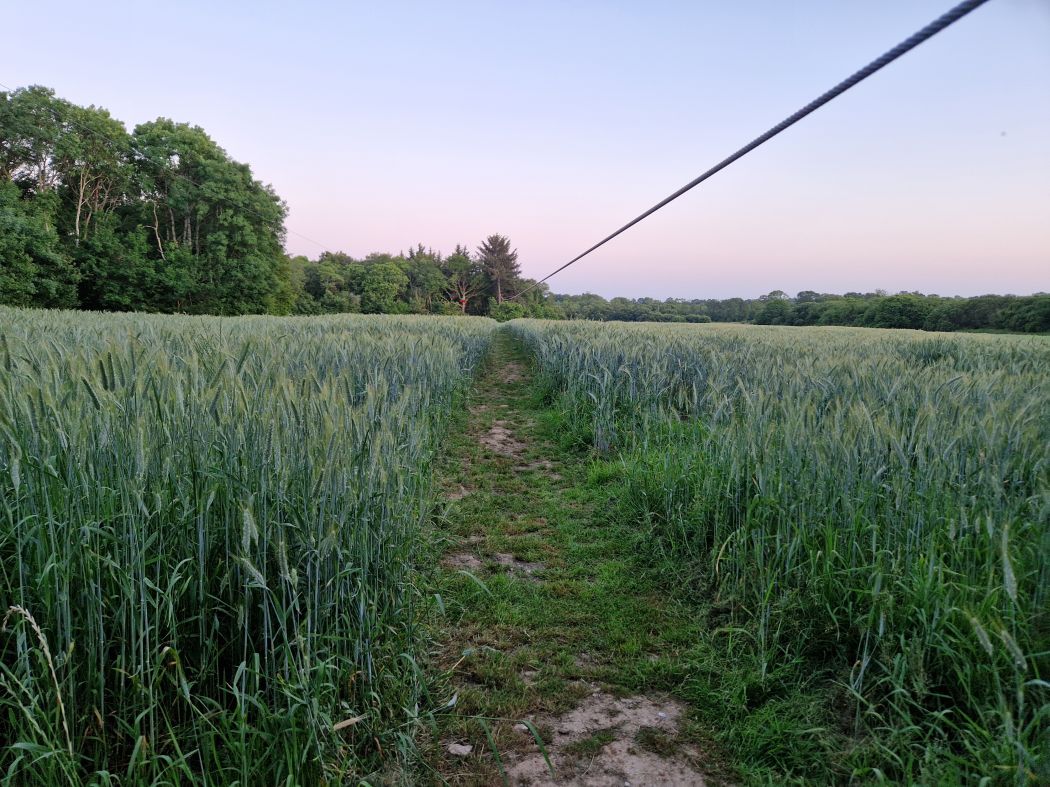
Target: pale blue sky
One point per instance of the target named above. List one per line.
(386, 124)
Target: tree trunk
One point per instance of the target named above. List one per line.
(82, 188)
(156, 232)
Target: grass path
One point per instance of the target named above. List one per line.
(547, 615)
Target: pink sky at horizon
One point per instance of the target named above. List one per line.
(554, 123)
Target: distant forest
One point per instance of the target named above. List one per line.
(162, 219)
(1021, 314)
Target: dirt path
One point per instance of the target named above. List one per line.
(550, 626)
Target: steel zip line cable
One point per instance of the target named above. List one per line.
(187, 179)
(936, 26)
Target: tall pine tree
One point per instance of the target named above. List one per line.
(500, 264)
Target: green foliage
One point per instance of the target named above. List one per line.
(163, 220)
(775, 311)
(500, 264)
(207, 533)
(201, 202)
(898, 311)
(31, 125)
(1028, 314)
(508, 310)
(33, 267)
(465, 280)
(537, 307)
(159, 220)
(426, 281)
(868, 523)
(380, 284)
(291, 280)
(423, 282)
(115, 271)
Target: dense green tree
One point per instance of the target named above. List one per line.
(329, 285)
(500, 264)
(32, 122)
(911, 310)
(775, 311)
(380, 283)
(115, 271)
(898, 311)
(285, 296)
(533, 296)
(161, 219)
(940, 317)
(842, 311)
(91, 158)
(34, 270)
(426, 281)
(732, 310)
(200, 201)
(508, 310)
(464, 278)
(1030, 315)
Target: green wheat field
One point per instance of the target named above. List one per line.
(212, 530)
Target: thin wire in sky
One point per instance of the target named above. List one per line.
(936, 26)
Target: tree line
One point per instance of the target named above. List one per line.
(423, 281)
(1022, 314)
(162, 219)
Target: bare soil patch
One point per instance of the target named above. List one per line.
(462, 561)
(609, 740)
(512, 372)
(501, 440)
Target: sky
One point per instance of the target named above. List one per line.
(387, 124)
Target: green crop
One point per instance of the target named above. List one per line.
(207, 534)
(871, 507)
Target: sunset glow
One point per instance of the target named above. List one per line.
(387, 125)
